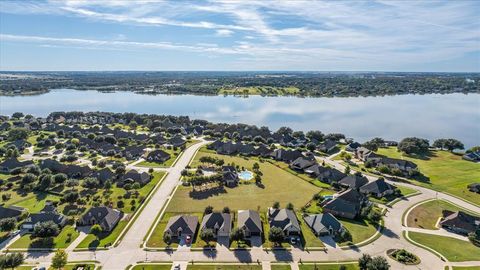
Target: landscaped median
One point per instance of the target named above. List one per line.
(105, 240)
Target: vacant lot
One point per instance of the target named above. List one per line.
(453, 249)
(447, 172)
(426, 215)
(361, 230)
(279, 185)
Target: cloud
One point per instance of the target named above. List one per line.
(224, 32)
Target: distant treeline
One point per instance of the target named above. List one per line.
(210, 83)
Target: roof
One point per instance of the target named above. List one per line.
(105, 216)
(461, 220)
(188, 224)
(302, 163)
(353, 181)
(250, 220)
(282, 218)
(348, 201)
(220, 221)
(321, 223)
(377, 186)
(136, 176)
(46, 216)
(103, 174)
(13, 163)
(286, 155)
(9, 212)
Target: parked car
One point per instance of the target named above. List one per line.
(188, 239)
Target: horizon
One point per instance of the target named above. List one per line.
(289, 36)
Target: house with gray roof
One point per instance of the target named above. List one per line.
(48, 213)
(12, 163)
(324, 224)
(219, 223)
(460, 222)
(182, 225)
(327, 146)
(378, 188)
(284, 219)
(249, 222)
(104, 216)
(354, 181)
(301, 163)
(346, 204)
(103, 175)
(11, 212)
(158, 155)
(134, 176)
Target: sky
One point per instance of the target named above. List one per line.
(240, 35)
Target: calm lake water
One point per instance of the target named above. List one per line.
(390, 117)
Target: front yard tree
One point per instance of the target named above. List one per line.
(167, 238)
(96, 230)
(60, 259)
(378, 263)
(207, 235)
(363, 261)
(237, 235)
(276, 235)
(46, 229)
(12, 260)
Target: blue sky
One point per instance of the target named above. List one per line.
(240, 35)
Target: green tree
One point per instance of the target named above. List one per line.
(207, 235)
(17, 134)
(11, 260)
(167, 238)
(276, 205)
(378, 263)
(363, 261)
(276, 235)
(237, 235)
(60, 259)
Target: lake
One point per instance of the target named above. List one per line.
(390, 117)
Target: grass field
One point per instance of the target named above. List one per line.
(350, 266)
(447, 172)
(224, 267)
(279, 185)
(360, 230)
(104, 239)
(63, 240)
(310, 239)
(454, 250)
(33, 202)
(426, 215)
(465, 268)
(152, 267)
(280, 267)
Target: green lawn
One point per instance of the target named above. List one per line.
(61, 241)
(72, 266)
(465, 268)
(152, 267)
(105, 239)
(280, 267)
(447, 172)
(224, 267)
(454, 250)
(33, 202)
(350, 266)
(426, 215)
(279, 185)
(360, 230)
(406, 190)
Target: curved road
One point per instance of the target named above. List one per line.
(129, 251)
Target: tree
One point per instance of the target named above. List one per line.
(167, 238)
(46, 229)
(60, 259)
(276, 205)
(17, 115)
(374, 216)
(256, 167)
(289, 206)
(449, 144)
(413, 145)
(378, 263)
(7, 224)
(237, 235)
(11, 260)
(208, 210)
(207, 235)
(315, 134)
(226, 210)
(276, 235)
(60, 178)
(17, 134)
(363, 261)
(347, 170)
(370, 145)
(311, 146)
(96, 230)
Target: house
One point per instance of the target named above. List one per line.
(472, 156)
(74, 171)
(12, 163)
(354, 181)
(475, 187)
(249, 222)
(400, 164)
(301, 163)
(133, 152)
(177, 141)
(11, 212)
(262, 151)
(284, 219)
(346, 204)
(48, 213)
(182, 225)
(19, 144)
(365, 154)
(378, 188)
(327, 146)
(220, 223)
(228, 148)
(103, 175)
(329, 175)
(159, 139)
(324, 224)
(286, 155)
(352, 147)
(215, 145)
(230, 176)
(246, 149)
(460, 222)
(133, 176)
(159, 156)
(104, 216)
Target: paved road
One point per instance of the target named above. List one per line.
(129, 251)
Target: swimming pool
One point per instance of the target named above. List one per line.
(328, 197)
(245, 175)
